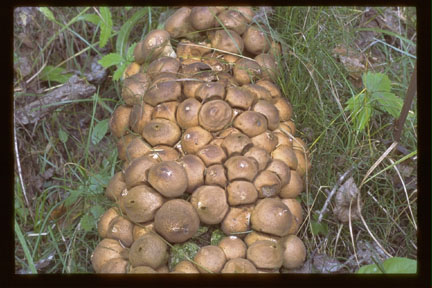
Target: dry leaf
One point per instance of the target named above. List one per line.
(346, 194)
(326, 264)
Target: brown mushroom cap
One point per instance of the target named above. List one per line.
(297, 212)
(246, 71)
(166, 110)
(134, 88)
(251, 123)
(142, 270)
(241, 167)
(260, 155)
(228, 41)
(256, 236)
(161, 131)
(152, 46)
(210, 90)
(271, 216)
(141, 203)
(104, 221)
(178, 24)
(267, 184)
(164, 153)
(237, 220)
(215, 115)
(210, 203)
(294, 187)
(239, 265)
(281, 169)
(210, 258)
(246, 11)
(303, 162)
(283, 139)
(115, 266)
(148, 250)
(106, 250)
(294, 252)
(136, 149)
(166, 90)
(119, 122)
(212, 154)
(285, 109)
(194, 138)
(185, 267)
(259, 91)
(194, 168)
(115, 187)
(215, 175)
(122, 144)
(139, 116)
(255, 40)
(269, 111)
(232, 20)
(241, 192)
(266, 140)
(141, 229)
(168, 178)
(177, 221)
(271, 87)
(203, 17)
(265, 254)
(236, 143)
(233, 247)
(287, 155)
(189, 50)
(132, 69)
(268, 66)
(187, 113)
(164, 64)
(136, 173)
(239, 98)
(120, 228)
(287, 127)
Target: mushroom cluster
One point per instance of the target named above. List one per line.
(206, 138)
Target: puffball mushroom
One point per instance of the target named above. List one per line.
(155, 44)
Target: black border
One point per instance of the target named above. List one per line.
(423, 277)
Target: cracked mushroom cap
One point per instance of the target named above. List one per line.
(210, 203)
(210, 258)
(168, 178)
(271, 216)
(265, 254)
(141, 203)
(148, 250)
(177, 221)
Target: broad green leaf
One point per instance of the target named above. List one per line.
(216, 237)
(389, 102)
(118, 74)
(54, 74)
(111, 60)
(48, 13)
(106, 26)
(319, 228)
(376, 82)
(130, 53)
(87, 222)
(63, 136)
(99, 131)
(97, 211)
(395, 265)
(180, 252)
(92, 18)
(362, 118)
(123, 35)
(73, 197)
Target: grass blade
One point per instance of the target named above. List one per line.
(125, 30)
(25, 248)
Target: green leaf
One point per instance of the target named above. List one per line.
(376, 82)
(92, 18)
(125, 30)
(48, 13)
(97, 211)
(130, 53)
(180, 252)
(99, 131)
(216, 237)
(319, 228)
(73, 197)
(87, 222)
(395, 265)
(106, 26)
(118, 74)
(54, 74)
(63, 136)
(389, 102)
(201, 231)
(362, 118)
(111, 60)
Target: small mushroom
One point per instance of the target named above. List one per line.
(185, 267)
(212, 154)
(233, 20)
(216, 175)
(241, 167)
(139, 116)
(260, 155)
(168, 178)
(210, 203)
(265, 254)
(106, 250)
(161, 131)
(297, 212)
(271, 216)
(166, 110)
(239, 265)
(119, 122)
(210, 259)
(155, 44)
(228, 41)
(266, 140)
(120, 229)
(187, 113)
(238, 97)
(233, 247)
(148, 250)
(194, 138)
(255, 40)
(136, 149)
(267, 184)
(163, 153)
(134, 88)
(294, 252)
(141, 203)
(251, 123)
(215, 115)
(246, 71)
(236, 143)
(241, 192)
(194, 168)
(268, 66)
(178, 24)
(294, 187)
(136, 173)
(115, 187)
(104, 221)
(237, 220)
